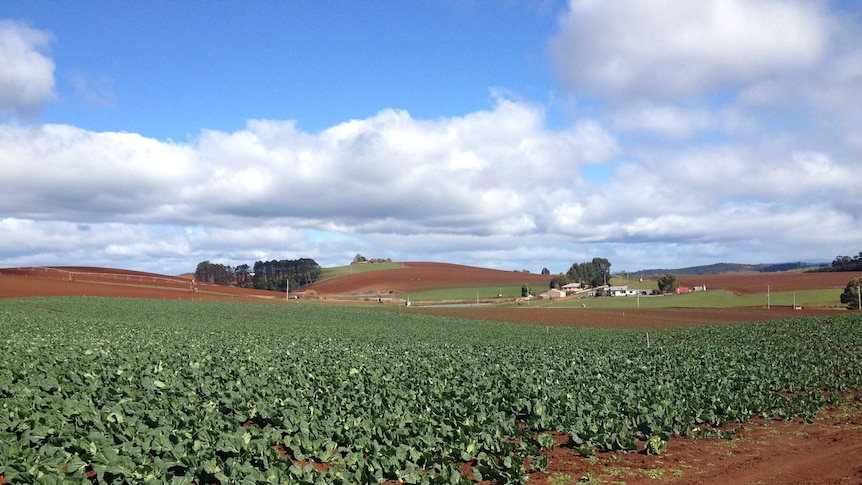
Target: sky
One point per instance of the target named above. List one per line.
(510, 134)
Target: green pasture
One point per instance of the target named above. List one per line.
(338, 271)
(482, 292)
(710, 299)
(634, 283)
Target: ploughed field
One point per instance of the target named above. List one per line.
(418, 276)
(113, 282)
(86, 281)
(107, 390)
(412, 278)
(753, 283)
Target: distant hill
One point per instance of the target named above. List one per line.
(413, 277)
(719, 268)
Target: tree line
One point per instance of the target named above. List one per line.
(592, 273)
(846, 263)
(264, 275)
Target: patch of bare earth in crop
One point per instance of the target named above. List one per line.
(825, 451)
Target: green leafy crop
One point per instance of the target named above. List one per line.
(138, 391)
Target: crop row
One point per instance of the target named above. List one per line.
(136, 391)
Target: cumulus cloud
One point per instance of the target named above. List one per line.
(738, 123)
(59, 171)
(682, 122)
(164, 248)
(27, 77)
(486, 174)
(668, 50)
(480, 172)
(728, 131)
(489, 187)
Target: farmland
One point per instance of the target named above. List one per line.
(413, 277)
(116, 390)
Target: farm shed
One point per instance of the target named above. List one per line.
(571, 288)
(690, 289)
(551, 294)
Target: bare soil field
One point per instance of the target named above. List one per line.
(753, 283)
(827, 451)
(415, 277)
(112, 282)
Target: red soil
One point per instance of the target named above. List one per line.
(414, 277)
(81, 281)
(753, 283)
(826, 451)
(829, 450)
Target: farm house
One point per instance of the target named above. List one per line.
(625, 291)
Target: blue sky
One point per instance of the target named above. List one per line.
(170, 69)
(509, 134)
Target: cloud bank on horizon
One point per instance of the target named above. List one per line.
(669, 134)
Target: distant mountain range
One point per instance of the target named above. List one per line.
(718, 268)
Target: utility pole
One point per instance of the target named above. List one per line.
(767, 297)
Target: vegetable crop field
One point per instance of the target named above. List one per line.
(97, 390)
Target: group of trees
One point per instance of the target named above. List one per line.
(222, 274)
(593, 273)
(668, 283)
(264, 275)
(851, 296)
(847, 263)
(274, 275)
(360, 259)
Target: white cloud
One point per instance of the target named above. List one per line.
(486, 174)
(27, 76)
(163, 248)
(54, 171)
(738, 126)
(681, 122)
(668, 50)
(392, 170)
(449, 189)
